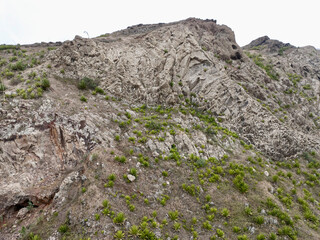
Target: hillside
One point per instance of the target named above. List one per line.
(162, 131)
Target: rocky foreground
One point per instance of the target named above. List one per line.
(164, 131)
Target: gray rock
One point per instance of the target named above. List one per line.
(22, 212)
(131, 177)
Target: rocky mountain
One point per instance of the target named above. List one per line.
(162, 131)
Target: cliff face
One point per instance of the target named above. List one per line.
(181, 103)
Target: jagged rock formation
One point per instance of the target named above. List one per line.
(143, 63)
(265, 97)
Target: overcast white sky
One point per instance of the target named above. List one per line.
(29, 21)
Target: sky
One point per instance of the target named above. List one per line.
(30, 21)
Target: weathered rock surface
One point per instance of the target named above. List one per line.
(160, 63)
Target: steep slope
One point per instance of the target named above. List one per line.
(173, 125)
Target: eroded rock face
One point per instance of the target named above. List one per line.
(157, 64)
(37, 148)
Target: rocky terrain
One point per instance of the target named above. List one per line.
(162, 131)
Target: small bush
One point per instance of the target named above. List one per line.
(9, 74)
(272, 236)
(261, 237)
(13, 59)
(240, 184)
(19, 66)
(87, 83)
(99, 90)
(206, 225)
(45, 84)
(2, 87)
(121, 159)
(112, 177)
(34, 237)
(63, 228)
(220, 233)
(259, 220)
(286, 230)
(133, 171)
(236, 229)
(225, 212)
(119, 219)
(173, 215)
(165, 173)
(134, 231)
(119, 235)
(83, 99)
(242, 237)
(275, 178)
(105, 203)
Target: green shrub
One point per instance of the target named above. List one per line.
(120, 218)
(225, 212)
(176, 226)
(105, 203)
(133, 171)
(87, 83)
(83, 99)
(272, 236)
(9, 74)
(2, 87)
(99, 90)
(31, 236)
(19, 66)
(207, 225)
(288, 231)
(45, 84)
(275, 178)
(261, 237)
(63, 228)
(242, 237)
(13, 59)
(236, 229)
(121, 159)
(240, 184)
(173, 215)
(112, 177)
(165, 173)
(220, 233)
(134, 231)
(132, 207)
(259, 220)
(3, 62)
(119, 235)
(110, 184)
